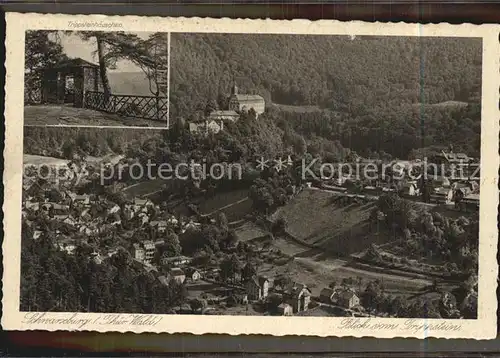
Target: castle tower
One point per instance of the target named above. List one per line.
(234, 89)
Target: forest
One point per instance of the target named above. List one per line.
(55, 281)
(373, 94)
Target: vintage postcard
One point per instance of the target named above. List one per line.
(251, 177)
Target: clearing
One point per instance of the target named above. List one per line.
(445, 104)
(66, 115)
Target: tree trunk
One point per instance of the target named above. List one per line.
(102, 68)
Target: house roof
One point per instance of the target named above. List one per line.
(262, 280)
(347, 294)
(176, 258)
(191, 270)
(471, 197)
(158, 223)
(441, 191)
(223, 113)
(249, 98)
(163, 280)
(297, 288)
(327, 291)
(75, 62)
(176, 272)
(456, 156)
(139, 201)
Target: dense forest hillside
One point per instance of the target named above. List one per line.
(331, 71)
(353, 86)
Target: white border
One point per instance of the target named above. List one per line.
(482, 328)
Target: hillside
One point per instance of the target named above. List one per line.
(314, 217)
(368, 86)
(325, 70)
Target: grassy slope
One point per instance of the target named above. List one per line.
(71, 116)
(30, 159)
(312, 216)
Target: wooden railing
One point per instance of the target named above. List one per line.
(146, 107)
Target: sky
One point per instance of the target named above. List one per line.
(75, 47)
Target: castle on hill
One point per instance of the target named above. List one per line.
(238, 103)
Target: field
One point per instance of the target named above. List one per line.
(314, 217)
(63, 115)
(297, 109)
(317, 270)
(249, 231)
(234, 204)
(30, 159)
(324, 239)
(443, 104)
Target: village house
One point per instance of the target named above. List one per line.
(143, 218)
(172, 220)
(207, 126)
(176, 260)
(460, 191)
(192, 274)
(163, 280)
(67, 245)
(150, 268)
(177, 275)
(257, 288)
(244, 102)
(138, 252)
(346, 298)
(128, 212)
(149, 250)
(35, 206)
(220, 116)
(441, 196)
(410, 189)
(449, 157)
(114, 209)
(81, 199)
(191, 225)
(469, 203)
(159, 225)
(284, 309)
(37, 234)
(96, 257)
(370, 190)
(299, 297)
(141, 203)
(440, 181)
(69, 221)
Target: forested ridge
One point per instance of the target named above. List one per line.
(371, 93)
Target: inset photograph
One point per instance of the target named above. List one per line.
(93, 78)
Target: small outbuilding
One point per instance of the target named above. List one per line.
(68, 81)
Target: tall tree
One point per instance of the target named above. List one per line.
(41, 51)
(111, 47)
